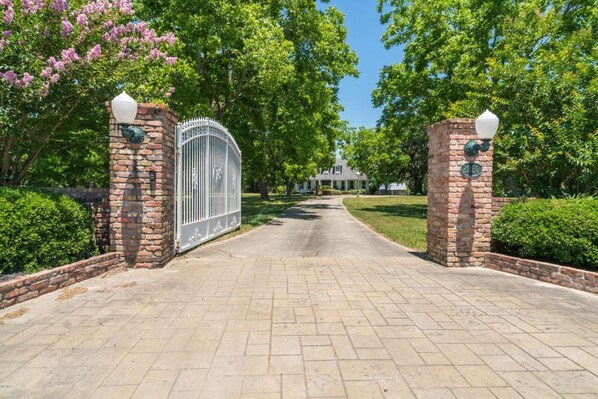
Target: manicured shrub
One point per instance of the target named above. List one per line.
(563, 231)
(40, 230)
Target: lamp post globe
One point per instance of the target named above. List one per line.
(486, 125)
(124, 109)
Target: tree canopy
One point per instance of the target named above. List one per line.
(532, 62)
(375, 153)
(59, 61)
(269, 70)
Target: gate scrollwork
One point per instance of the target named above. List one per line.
(208, 172)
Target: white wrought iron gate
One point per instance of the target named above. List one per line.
(208, 182)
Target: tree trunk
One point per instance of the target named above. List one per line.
(289, 187)
(417, 185)
(263, 190)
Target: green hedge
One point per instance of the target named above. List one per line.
(41, 230)
(563, 231)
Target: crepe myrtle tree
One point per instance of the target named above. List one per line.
(58, 60)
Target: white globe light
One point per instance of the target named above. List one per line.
(124, 109)
(486, 125)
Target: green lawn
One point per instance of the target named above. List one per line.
(400, 219)
(255, 212)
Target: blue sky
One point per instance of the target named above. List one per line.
(364, 32)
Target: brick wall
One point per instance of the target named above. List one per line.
(543, 271)
(28, 287)
(142, 212)
(459, 209)
(98, 199)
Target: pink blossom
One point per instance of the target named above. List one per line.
(55, 78)
(154, 53)
(9, 14)
(82, 19)
(170, 92)
(95, 52)
(26, 80)
(46, 72)
(170, 60)
(10, 77)
(69, 55)
(60, 5)
(32, 6)
(169, 38)
(67, 27)
(7, 33)
(52, 62)
(60, 66)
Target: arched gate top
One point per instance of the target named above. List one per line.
(197, 127)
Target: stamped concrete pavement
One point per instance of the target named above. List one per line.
(303, 327)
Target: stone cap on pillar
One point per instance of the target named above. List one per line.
(149, 108)
(449, 121)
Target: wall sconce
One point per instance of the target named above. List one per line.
(124, 109)
(486, 126)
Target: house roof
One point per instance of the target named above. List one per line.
(346, 173)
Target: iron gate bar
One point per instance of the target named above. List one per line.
(206, 204)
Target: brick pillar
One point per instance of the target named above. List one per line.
(141, 211)
(459, 208)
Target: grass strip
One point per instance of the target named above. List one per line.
(401, 219)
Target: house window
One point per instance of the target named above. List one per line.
(351, 185)
(326, 172)
(338, 169)
(363, 182)
(309, 184)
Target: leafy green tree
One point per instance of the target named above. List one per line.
(531, 61)
(269, 70)
(375, 153)
(58, 60)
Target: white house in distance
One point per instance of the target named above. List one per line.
(339, 177)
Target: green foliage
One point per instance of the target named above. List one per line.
(375, 153)
(531, 62)
(40, 230)
(269, 71)
(556, 230)
(331, 192)
(59, 63)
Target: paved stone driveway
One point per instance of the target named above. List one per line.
(297, 328)
(289, 327)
